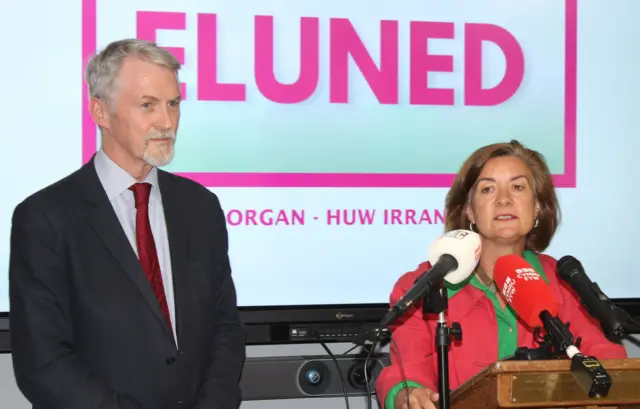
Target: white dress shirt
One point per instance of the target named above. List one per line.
(116, 182)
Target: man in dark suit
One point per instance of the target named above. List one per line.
(120, 285)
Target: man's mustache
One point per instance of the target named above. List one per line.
(160, 135)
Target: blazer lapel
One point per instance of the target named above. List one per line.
(177, 233)
(103, 219)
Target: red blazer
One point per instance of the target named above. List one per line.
(414, 334)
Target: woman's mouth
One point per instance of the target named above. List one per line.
(505, 217)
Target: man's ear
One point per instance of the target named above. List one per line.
(99, 112)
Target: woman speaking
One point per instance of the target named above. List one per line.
(503, 192)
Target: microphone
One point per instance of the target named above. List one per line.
(533, 301)
(612, 320)
(524, 289)
(453, 257)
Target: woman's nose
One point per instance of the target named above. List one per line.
(505, 199)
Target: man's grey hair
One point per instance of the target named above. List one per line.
(102, 70)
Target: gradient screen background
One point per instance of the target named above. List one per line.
(353, 125)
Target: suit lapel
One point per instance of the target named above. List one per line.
(104, 221)
(177, 234)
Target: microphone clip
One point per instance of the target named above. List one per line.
(435, 301)
(541, 353)
(556, 338)
(546, 349)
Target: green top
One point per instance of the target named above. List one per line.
(507, 328)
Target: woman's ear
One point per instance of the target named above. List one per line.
(470, 215)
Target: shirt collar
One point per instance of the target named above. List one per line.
(469, 292)
(116, 180)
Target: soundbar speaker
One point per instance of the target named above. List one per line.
(294, 377)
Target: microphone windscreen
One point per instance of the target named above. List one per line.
(464, 246)
(567, 266)
(524, 289)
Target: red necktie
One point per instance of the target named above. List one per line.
(147, 247)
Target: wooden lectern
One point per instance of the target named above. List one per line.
(546, 384)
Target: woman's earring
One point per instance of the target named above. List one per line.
(471, 226)
(536, 223)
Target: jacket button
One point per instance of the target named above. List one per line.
(170, 361)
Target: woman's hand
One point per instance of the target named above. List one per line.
(419, 398)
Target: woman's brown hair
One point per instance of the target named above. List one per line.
(458, 197)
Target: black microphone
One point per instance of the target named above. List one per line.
(422, 286)
(613, 320)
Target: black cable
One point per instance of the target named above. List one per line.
(404, 377)
(366, 365)
(382, 338)
(634, 322)
(393, 350)
(632, 340)
(628, 337)
(335, 361)
(350, 349)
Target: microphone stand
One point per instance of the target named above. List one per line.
(545, 351)
(436, 302)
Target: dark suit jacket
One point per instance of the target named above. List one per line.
(86, 328)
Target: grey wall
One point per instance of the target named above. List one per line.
(10, 396)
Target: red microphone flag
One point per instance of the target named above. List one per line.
(524, 289)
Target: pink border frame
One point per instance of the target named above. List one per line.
(565, 180)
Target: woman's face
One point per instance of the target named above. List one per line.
(503, 205)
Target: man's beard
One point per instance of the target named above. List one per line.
(159, 153)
